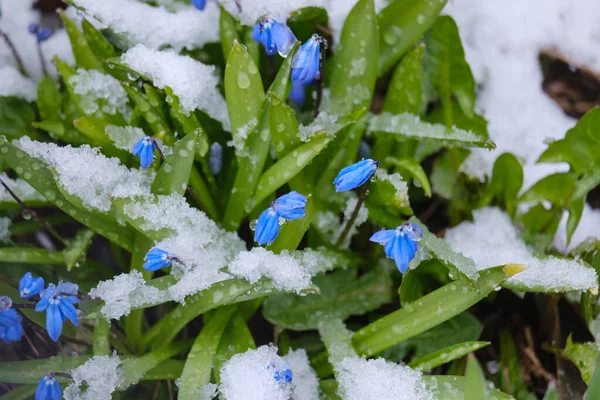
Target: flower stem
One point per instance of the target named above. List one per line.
(35, 216)
(21, 305)
(361, 199)
(13, 50)
(42, 58)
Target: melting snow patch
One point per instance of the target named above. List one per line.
(125, 137)
(194, 83)
(12, 83)
(361, 379)
(491, 239)
(99, 93)
(324, 122)
(251, 376)
(156, 27)
(100, 376)
(396, 180)
(21, 188)
(304, 378)
(587, 229)
(87, 174)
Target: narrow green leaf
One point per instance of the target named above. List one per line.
(284, 128)
(512, 380)
(21, 393)
(593, 390)
(410, 167)
(156, 121)
(98, 45)
(84, 56)
(432, 309)
(48, 99)
(136, 367)
(199, 364)
(450, 387)
(402, 23)
(74, 254)
(228, 32)
(31, 371)
(474, 380)
(353, 69)
(557, 188)
(30, 255)
(507, 179)
(406, 87)
(16, 117)
(341, 295)
(584, 356)
(101, 343)
(575, 213)
(337, 339)
(174, 173)
(445, 355)
(236, 338)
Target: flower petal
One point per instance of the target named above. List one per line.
(291, 205)
(383, 237)
(267, 227)
(355, 175)
(68, 310)
(54, 321)
(297, 93)
(283, 38)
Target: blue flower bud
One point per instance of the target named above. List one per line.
(48, 389)
(29, 287)
(289, 206)
(144, 149)
(355, 175)
(306, 67)
(215, 161)
(59, 307)
(40, 33)
(276, 37)
(11, 329)
(199, 4)
(157, 259)
(400, 244)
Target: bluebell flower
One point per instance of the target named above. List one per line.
(144, 149)
(59, 307)
(275, 36)
(400, 244)
(29, 287)
(283, 376)
(48, 389)
(156, 259)
(306, 67)
(40, 33)
(355, 175)
(199, 4)
(288, 206)
(11, 329)
(215, 161)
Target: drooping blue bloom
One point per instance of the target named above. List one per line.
(144, 149)
(275, 36)
(59, 307)
(306, 67)
(355, 175)
(48, 389)
(29, 287)
(11, 329)
(215, 161)
(40, 33)
(400, 244)
(288, 206)
(199, 4)
(156, 259)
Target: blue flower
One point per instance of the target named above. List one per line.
(199, 4)
(355, 175)
(283, 376)
(48, 389)
(288, 206)
(306, 67)
(40, 33)
(11, 329)
(215, 161)
(400, 243)
(29, 287)
(144, 149)
(59, 307)
(276, 37)
(156, 259)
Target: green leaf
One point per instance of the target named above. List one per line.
(432, 309)
(507, 179)
(84, 56)
(228, 32)
(236, 338)
(75, 252)
(401, 24)
(584, 356)
(450, 387)
(199, 364)
(593, 390)
(99, 46)
(410, 167)
(40, 177)
(337, 339)
(406, 87)
(512, 380)
(21, 393)
(174, 173)
(48, 98)
(101, 343)
(134, 368)
(445, 355)
(155, 119)
(557, 188)
(408, 126)
(16, 117)
(292, 232)
(575, 212)
(29, 255)
(475, 384)
(284, 128)
(30, 371)
(341, 295)
(353, 70)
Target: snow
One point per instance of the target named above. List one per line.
(100, 376)
(361, 379)
(21, 188)
(491, 239)
(396, 180)
(125, 137)
(87, 174)
(238, 141)
(12, 83)
(156, 27)
(587, 228)
(194, 83)
(5, 229)
(99, 93)
(250, 376)
(323, 122)
(329, 225)
(305, 381)
(502, 41)
(123, 292)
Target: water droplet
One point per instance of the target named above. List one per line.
(26, 215)
(280, 127)
(183, 153)
(4, 149)
(243, 80)
(151, 118)
(168, 168)
(281, 220)
(253, 224)
(131, 76)
(252, 68)
(169, 99)
(391, 35)
(35, 166)
(19, 170)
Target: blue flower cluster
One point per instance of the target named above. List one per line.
(289, 206)
(42, 34)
